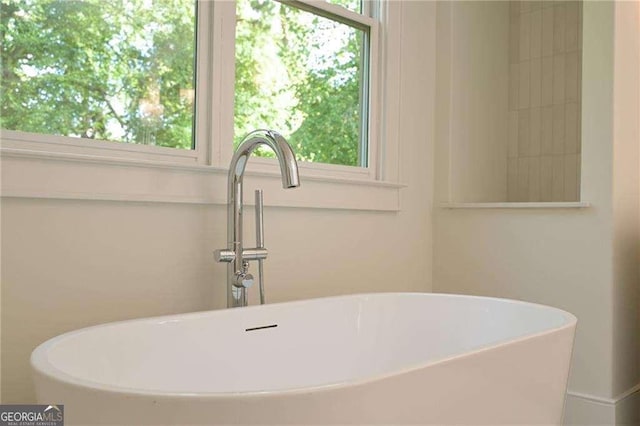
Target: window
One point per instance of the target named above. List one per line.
(124, 71)
(178, 82)
(116, 70)
(303, 73)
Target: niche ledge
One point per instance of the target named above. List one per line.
(518, 205)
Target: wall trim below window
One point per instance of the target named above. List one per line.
(519, 205)
(47, 175)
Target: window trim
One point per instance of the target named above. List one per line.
(32, 163)
(224, 13)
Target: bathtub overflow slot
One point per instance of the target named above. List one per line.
(261, 328)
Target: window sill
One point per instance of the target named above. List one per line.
(41, 174)
(518, 205)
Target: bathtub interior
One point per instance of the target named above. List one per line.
(291, 345)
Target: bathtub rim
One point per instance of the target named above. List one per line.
(41, 365)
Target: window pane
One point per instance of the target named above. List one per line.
(302, 75)
(354, 5)
(120, 70)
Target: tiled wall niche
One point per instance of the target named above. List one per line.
(545, 57)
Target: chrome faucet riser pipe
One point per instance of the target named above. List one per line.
(260, 241)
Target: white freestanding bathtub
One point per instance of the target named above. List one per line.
(398, 358)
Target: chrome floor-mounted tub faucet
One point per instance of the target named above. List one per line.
(237, 257)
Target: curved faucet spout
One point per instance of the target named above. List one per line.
(238, 278)
(284, 153)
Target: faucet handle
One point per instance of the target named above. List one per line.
(243, 280)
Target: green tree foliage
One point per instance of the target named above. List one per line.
(317, 92)
(115, 70)
(329, 101)
(123, 70)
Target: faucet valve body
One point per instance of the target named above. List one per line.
(243, 280)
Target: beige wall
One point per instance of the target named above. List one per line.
(69, 264)
(473, 49)
(626, 184)
(581, 260)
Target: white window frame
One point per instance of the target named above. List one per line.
(47, 166)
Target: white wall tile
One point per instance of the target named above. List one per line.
(535, 95)
(571, 177)
(558, 78)
(512, 145)
(535, 131)
(514, 36)
(558, 28)
(579, 174)
(514, 86)
(571, 25)
(525, 36)
(557, 178)
(571, 76)
(547, 81)
(523, 179)
(523, 133)
(543, 158)
(512, 179)
(536, 34)
(547, 30)
(580, 25)
(546, 178)
(571, 128)
(558, 129)
(579, 128)
(579, 75)
(514, 7)
(534, 179)
(524, 89)
(546, 130)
